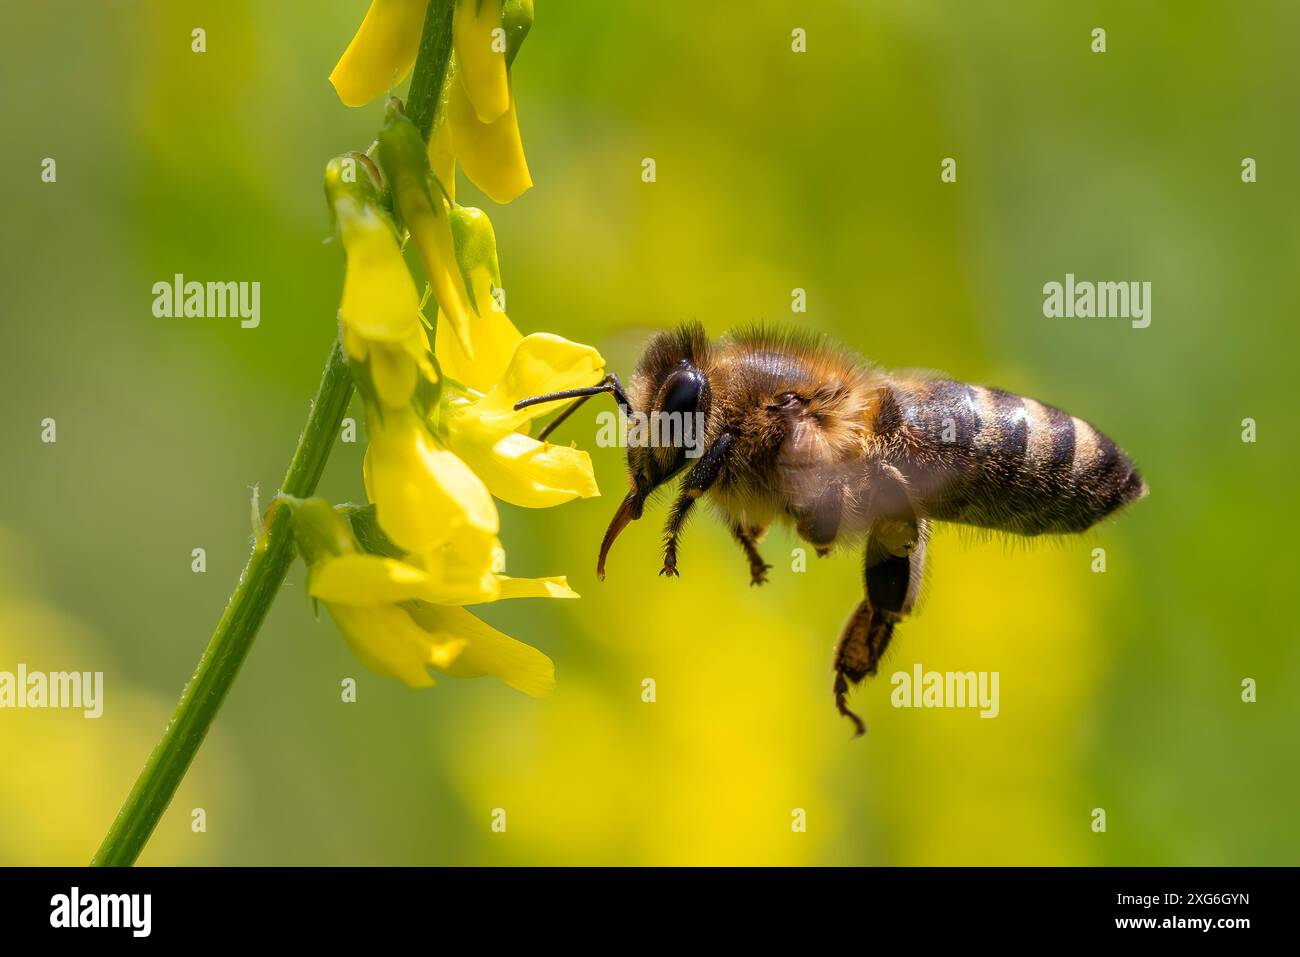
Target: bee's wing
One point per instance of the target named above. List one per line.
(836, 492)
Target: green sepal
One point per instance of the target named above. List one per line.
(404, 159)
(364, 521)
(319, 531)
(517, 18)
(475, 242)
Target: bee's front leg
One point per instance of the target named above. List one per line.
(698, 481)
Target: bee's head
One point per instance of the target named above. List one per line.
(669, 403)
(666, 410)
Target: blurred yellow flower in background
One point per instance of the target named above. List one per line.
(62, 773)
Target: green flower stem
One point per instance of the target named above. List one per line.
(268, 566)
(435, 54)
(230, 643)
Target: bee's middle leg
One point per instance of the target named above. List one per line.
(893, 566)
(748, 536)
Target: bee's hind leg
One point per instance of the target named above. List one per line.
(893, 566)
(748, 536)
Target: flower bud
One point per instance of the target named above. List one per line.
(422, 208)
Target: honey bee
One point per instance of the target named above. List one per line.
(799, 430)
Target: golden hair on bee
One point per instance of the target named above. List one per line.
(795, 429)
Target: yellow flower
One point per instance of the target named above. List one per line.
(477, 122)
(492, 154)
(484, 431)
(516, 468)
(541, 362)
(493, 335)
(423, 493)
(382, 52)
(479, 99)
(401, 619)
(379, 311)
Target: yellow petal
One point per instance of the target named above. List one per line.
(432, 234)
(521, 470)
(455, 574)
(491, 154)
(393, 372)
(481, 56)
(382, 52)
(442, 156)
(487, 651)
(388, 641)
(461, 571)
(360, 579)
(380, 301)
(422, 492)
(541, 363)
(492, 333)
(535, 588)
(354, 347)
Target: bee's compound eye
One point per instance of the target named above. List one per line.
(681, 392)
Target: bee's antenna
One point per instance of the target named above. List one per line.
(610, 384)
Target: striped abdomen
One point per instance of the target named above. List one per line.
(988, 458)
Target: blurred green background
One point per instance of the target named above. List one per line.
(776, 170)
